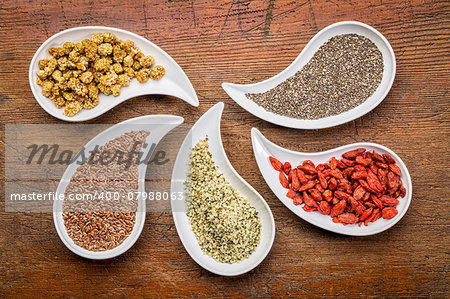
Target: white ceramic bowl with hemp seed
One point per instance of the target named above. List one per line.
(173, 83)
(208, 126)
(303, 107)
(157, 126)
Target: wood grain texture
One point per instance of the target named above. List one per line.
(248, 41)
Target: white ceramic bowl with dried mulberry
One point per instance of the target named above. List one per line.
(81, 73)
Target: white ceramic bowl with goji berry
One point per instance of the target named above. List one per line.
(263, 149)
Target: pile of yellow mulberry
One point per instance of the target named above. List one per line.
(75, 74)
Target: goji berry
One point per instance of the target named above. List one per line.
(333, 163)
(319, 188)
(333, 184)
(308, 169)
(308, 208)
(348, 218)
(381, 165)
(283, 180)
(348, 162)
(336, 173)
(324, 208)
(365, 214)
(363, 161)
(276, 163)
(327, 195)
(339, 208)
(322, 180)
(377, 201)
(389, 212)
(340, 165)
(402, 191)
(377, 157)
(342, 195)
(291, 193)
(375, 214)
(309, 162)
(301, 176)
(388, 201)
(309, 200)
(310, 177)
(373, 168)
(287, 167)
(359, 175)
(347, 172)
(382, 176)
(352, 154)
(298, 199)
(359, 193)
(357, 206)
(316, 195)
(295, 182)
(322, 167)
(374, 182)
(395, 169)
(366, 196)
(307, 186)
(388, 158)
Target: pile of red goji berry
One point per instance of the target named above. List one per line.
(360, 187)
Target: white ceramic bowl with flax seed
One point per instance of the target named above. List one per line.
(158, 126)
(173, 83)
(209, 126)
(238, 91)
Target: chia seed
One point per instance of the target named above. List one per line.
(343, 73)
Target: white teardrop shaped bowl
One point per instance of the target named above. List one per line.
(173, 83)
(209, 125)
(263, 148)
(159, 126)
(237, 91)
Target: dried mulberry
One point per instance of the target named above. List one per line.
(157, 72)
(105, 49)
(146, 61)
(74, 74)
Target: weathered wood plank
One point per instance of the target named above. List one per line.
(248, 41)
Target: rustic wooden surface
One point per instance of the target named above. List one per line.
(248, 41)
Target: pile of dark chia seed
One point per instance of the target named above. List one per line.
(342, 74)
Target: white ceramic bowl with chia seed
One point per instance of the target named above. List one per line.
(238, 91)
(159, 126)
(209, 126)
(263, 148)
(173, 83)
